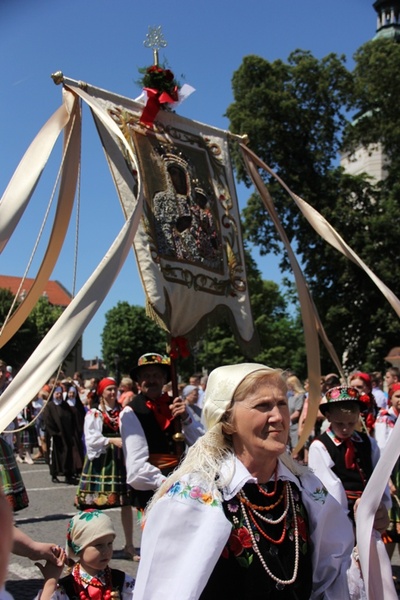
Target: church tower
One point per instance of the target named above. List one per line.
(371, 160)
(388, 23)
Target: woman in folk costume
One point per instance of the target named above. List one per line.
(90, 540)
(103, 481)
(239, 519)
(384, 425)
(62, 438)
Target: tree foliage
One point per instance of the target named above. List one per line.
(43, 316)
(128, 333)
(297, 116)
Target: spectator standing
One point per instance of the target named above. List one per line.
(377, 391)
(295, 403)
(63, 439)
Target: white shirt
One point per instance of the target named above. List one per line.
(140, 474)
(186, 531)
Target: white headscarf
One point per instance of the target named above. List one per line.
(221, 387)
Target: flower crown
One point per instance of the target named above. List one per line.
(151, 359)
(342, 393)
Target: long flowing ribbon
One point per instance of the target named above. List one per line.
(306, 305)
(72, 143)
(21, 186)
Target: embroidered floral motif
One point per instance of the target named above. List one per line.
(320, 495)
(193, 492)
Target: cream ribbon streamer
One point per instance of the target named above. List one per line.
(306, 304)
(72, 144)
(21, 186)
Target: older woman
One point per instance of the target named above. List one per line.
(239, 519)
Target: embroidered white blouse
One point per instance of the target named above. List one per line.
(187, 530)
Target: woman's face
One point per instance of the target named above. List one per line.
(261, 424)
(110, 394)
(361, 385)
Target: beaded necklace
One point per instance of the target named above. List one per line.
(81, 577)
(249, 516)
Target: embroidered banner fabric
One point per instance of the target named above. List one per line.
(188, 246)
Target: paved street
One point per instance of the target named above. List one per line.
(45, 519)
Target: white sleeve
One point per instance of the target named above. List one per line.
(183, 538)
(321, 463)
(140, 474)
(192, 428)
(96, 442)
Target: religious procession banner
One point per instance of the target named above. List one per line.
(188, 245)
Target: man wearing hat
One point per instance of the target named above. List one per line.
(342, 457)
(147, 427)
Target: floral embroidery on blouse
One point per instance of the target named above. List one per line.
(320, 495)
(193, 492)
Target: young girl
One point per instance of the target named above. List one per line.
(90, 540)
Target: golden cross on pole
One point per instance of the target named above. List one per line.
(155, 40)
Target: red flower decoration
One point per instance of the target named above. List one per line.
(302, 528)
(179, 348)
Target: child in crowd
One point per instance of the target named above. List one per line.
(384, 426)
(90, 540)
(342, 457)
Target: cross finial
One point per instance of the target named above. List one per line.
(155, 40)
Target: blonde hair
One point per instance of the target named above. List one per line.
(296, 384)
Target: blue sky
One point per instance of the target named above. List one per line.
(101, 42)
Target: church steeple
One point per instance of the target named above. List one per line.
(388, 24)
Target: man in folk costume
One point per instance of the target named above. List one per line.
(147, 428)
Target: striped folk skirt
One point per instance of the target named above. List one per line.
(103, 481)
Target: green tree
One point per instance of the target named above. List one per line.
(128, 333)
(43, 316)
(297, 118)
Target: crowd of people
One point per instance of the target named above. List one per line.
(229, 500)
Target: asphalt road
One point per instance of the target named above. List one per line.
(46, 518)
